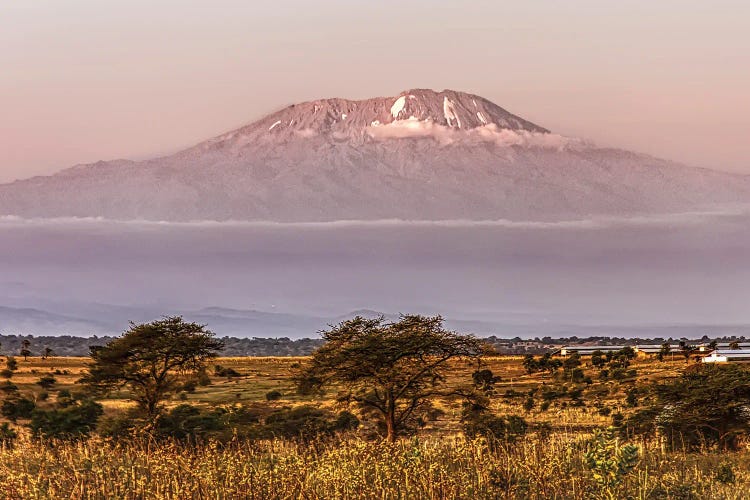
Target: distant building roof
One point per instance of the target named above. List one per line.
(655, 347)
(591, 348)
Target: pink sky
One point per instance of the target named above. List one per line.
(85, 80)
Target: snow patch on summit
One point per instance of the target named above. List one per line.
(449, 110)
(398, 106)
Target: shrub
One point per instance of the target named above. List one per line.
(6, 373)
(608, 462)
(186, 422)
(203, 379)
(17, 407)
(307, 422)
(577, 375)
(46, 381)
(7, 435)
(706, 405)
(11, 363)
(73, 421)
(632, 398)
(122, 425)
(190, 385)
(504, 428)
(485, 380)
(725, 473)
(511, 393)
(617, 419)
(221, 371)
(8, 388)
(528, 405)
(273, 395)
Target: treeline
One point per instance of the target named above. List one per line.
(67, 345)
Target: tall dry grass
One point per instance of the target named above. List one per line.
(437, 468)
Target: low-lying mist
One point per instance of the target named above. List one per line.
(598, 276)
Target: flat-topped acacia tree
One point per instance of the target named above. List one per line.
(393, 369)
(150, 358)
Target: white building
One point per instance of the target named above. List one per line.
(728, 356)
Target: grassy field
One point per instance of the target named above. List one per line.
(439, 463)
(261, 375)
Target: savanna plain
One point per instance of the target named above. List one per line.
(556, 438)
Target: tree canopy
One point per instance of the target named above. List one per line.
(391, 369)
(150, 358)
(705, 405)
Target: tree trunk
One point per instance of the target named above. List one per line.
(390, 419)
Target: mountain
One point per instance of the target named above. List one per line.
(418, 155)
(35, 321)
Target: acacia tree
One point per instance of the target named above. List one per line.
(392, 369)
(150, 359)
(25, 352)
(707, 404)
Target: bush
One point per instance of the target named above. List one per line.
(18, 407)
(7, 435)
(8, 388)
(273, 396)
(46, 381)
(617, 419)
(632, 398)
(725, 473)
(71, 422)
(306, 422)
(221, 371)
(190, 385)
(186, 422)
(609, 462)
(6, 373)
(120, 426)
(485, 380)
(705, 406)
(528, 405)
(503, 428)
(203, 379)
(577, 375)
(11, 363)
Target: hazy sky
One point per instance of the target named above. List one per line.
(83, 80)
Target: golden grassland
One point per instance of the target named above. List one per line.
(434, 468)
(439, 464)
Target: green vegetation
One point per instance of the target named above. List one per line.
(468, 424)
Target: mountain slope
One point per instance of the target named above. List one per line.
(419, 155)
